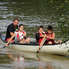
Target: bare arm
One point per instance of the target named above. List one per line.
(52, 37)
(43, 35)
(10, 39)
(11, 33)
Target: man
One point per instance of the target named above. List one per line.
(11, 28)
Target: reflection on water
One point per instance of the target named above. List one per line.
(16, 59)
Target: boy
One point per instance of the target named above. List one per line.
(39, 35)
(50, 38)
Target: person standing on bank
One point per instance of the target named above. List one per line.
(11, 29)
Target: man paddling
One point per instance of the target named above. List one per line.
(11, 28)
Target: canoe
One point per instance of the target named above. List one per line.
(60, 49)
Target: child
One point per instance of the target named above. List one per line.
(51, 36)
(39, 35)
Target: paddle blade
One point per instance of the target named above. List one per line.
(4, 46)
(37, 52)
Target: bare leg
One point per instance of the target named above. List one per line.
(59, 41)
(25, 40)
(22, 41)
(49, 42)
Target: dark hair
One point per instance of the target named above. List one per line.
(21, 25)
(50, 28)
(16, 19)
(40, 27)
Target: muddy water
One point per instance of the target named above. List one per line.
(32, 14)
(15, 59)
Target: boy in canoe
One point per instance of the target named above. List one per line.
(40, 34)
(48, 38)
(20, 35)
(51, 36)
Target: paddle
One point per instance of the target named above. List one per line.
(13, 41)
(41, 44)
(10, 43)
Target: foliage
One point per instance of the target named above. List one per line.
(62, 7)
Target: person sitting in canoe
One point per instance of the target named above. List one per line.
(48, 38)
(20, 34)
(51, 36)
(39, 35)
(11, 29)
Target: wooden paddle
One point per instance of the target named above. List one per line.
(41, 44)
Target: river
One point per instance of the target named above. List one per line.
(31, 13)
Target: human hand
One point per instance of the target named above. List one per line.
(45, 35)
(24, 34)
(6, 45)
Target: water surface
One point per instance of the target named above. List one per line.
(15, 59)
(32, 14)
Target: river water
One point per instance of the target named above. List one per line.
(32, 14)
